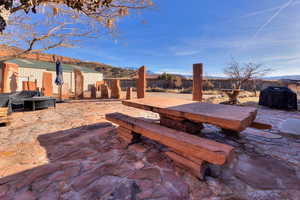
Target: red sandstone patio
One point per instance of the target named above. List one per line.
(72, 152)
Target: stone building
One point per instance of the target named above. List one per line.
(14, 73)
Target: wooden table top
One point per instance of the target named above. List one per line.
(230, 117)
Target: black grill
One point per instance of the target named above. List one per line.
(278, 97)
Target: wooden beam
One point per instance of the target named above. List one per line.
(260, 125)
(129, 93)
(141, 82)
(197, 81)
(201, 148)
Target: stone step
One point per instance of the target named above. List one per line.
(201, 148)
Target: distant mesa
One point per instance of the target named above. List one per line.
(108, 71)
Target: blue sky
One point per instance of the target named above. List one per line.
(178, 34)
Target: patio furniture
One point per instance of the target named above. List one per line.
(235, 118)
(39, 103)
(177, 116)
(190, 151)
(14, 101)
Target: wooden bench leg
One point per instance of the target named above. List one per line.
(128, 136)
(195, 167)
(180, 124)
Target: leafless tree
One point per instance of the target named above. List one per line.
(240, 74)
(48, 24)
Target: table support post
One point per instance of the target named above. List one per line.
(180, 124)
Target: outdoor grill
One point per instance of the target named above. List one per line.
(278, 97)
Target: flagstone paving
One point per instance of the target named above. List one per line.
(71, 152)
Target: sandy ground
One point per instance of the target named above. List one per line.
(69, 152)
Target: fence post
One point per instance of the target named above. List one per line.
(197, 81)
(141, 82)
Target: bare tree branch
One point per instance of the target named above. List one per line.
(61, 22)
(241, 74)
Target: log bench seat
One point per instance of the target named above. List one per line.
(185, 149)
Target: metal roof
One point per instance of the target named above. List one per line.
(49, 66)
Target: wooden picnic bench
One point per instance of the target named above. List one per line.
(177, 116)
(189, 150)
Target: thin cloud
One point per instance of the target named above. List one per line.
(264, 11)
(186, 53)
(284, 6)
(285, 58)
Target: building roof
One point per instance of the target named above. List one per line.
(49, 66)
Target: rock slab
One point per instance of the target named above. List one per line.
(290, 127)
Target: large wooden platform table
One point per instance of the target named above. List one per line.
(236, 118)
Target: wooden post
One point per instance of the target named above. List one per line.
(79, 90)
(93, 92)
(35, 87)
(116, 89)
(104, 91)
(47, 87)
(129, 93)
(59, 92)
(141, 83)
(197, 81)
(28, 84)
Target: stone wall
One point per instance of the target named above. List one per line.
(208, 84)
